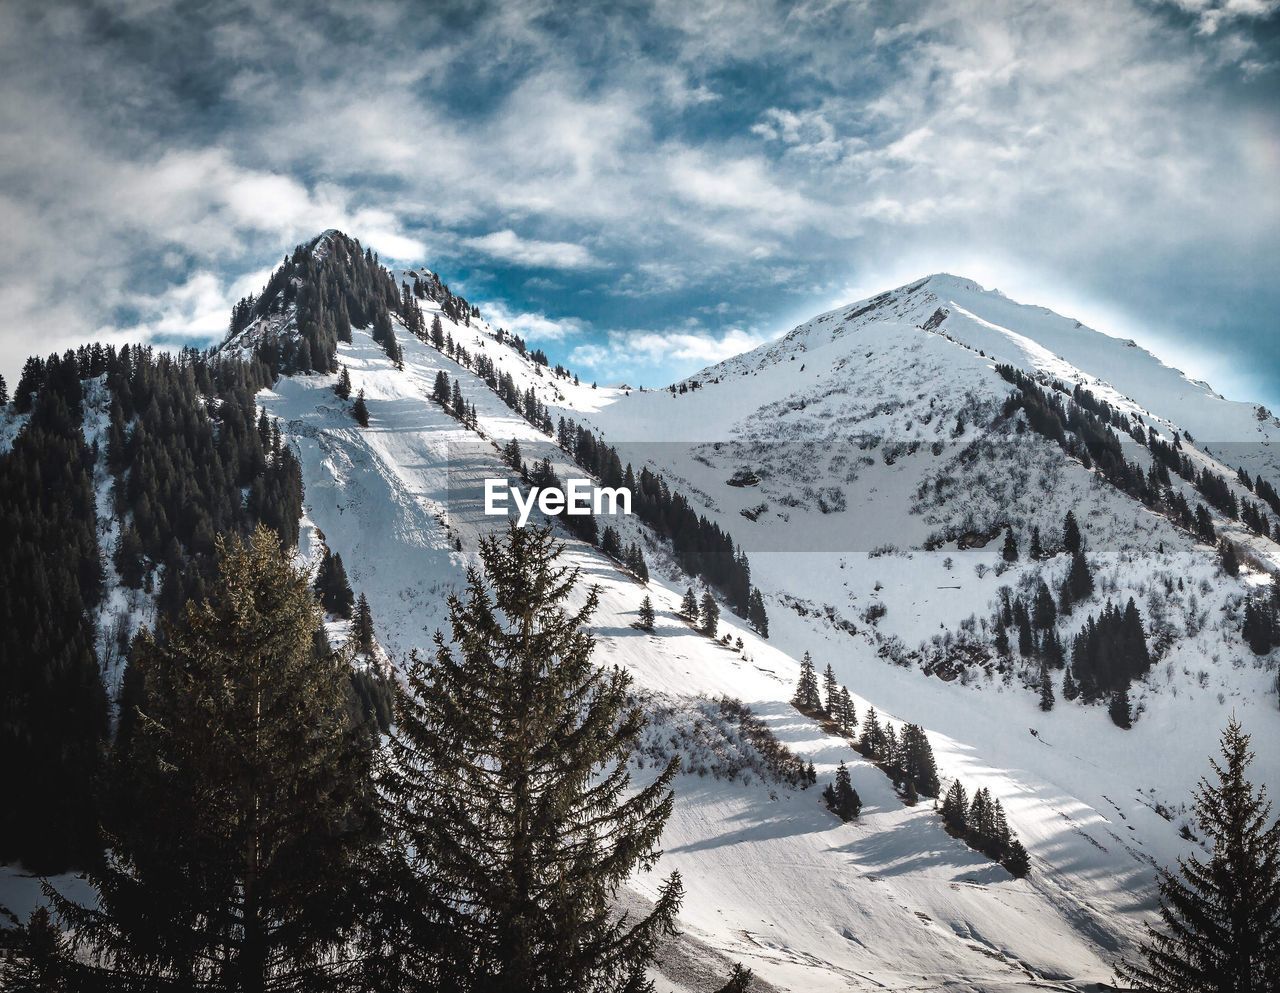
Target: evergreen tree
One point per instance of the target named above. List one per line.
(830, 690)
(1036, 551)
(1010, 550)
(1228, 558)
(4, 392)
(1079, 578)
(917, 760)
(243, 804)
(1071, 540)
(1016, 860)
(360, 411)
(740, 979)
(508, 800)
(873, 737)
(710, 614)
(1001, 642)
(646, 621)
(955, 808)
(689, 606)
(343, 387)
(1119, 709)
(1046, 689)
(807, 697)
(841, 798)
(1219, 924)
(362, 627)
(847, 713)
(756, 613)
(332, 587)
(1070, 688)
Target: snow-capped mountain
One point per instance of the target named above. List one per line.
(868, 462)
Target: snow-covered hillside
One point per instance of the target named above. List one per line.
(773, 879)
(860, 461)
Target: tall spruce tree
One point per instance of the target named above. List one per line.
(689, 606)
(710, 615)
(807, 696)
(1219, 924)
(646, 621)
(509, 799)
(830, 690)
(243, 807)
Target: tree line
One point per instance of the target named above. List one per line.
(260, 838)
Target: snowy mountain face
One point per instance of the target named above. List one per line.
(856, 433)
(868, 465)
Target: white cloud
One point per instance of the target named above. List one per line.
(510, 247)
(530, 325)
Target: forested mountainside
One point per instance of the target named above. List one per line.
(1033, 596)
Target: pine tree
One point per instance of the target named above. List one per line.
(848, 713)
(360, 411)
(1016, 860)
(955, 808)
(1228, 558)
(1070, 688)
(1220, 920)
(710, 614)
(440, 388)
(756, 613)
(362, 627)
(841, 798)
(1010, 550)
(243, 804)
(509, 766)
(1001, 642)
(1071, 540)
(807, 697)
(740, 979)
(918, 763)
(873, 739)
(830, 690)
(1046, 689)
(332, 587)
(1036, 551)
(689, 606)
(343, 387)
(1119, 710)
(4, 392)
(646, 621)
(1079, 578)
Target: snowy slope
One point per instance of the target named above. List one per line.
(856, 426)
(773, 880)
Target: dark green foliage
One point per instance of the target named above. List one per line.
(4, 392)
(1219, 926)
(1046, 689)
(332, 587)
(1119, 710)
(362, 627)
(1016, 860)
(756, 613)
(53, 708)
(955, 809)
(1109, 652)
(360, 410)
(633, 558)
(1228, 558)
(1261, 627)
(916, 762)
(1079, 583)
(510, 763)
(710, 611)
(343, 386)
(740, 979)
(646, 619)
(1010, 550)
(689, 606)
(841, 798)
(234, 860)
(830, 690)
(807, 697)
(1071, 540)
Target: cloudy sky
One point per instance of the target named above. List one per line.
(646, 187)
